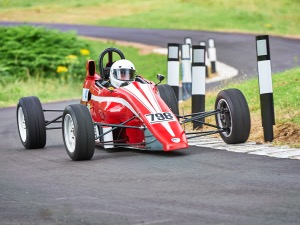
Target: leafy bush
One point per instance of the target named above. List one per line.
(36, 51)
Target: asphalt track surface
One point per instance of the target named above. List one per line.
(192, 186)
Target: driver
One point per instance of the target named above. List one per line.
(122, 71)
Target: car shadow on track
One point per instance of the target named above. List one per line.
(124, 152)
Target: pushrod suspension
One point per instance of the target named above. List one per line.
(115, 126)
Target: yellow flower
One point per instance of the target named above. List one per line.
(61, 69)
(84, 52)
(71, 57)
(268, 25)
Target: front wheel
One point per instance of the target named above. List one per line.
(78, 132)
(31, 123)
(234, 117)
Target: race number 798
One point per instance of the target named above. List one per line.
(160, 117)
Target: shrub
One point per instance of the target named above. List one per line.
(37, 51)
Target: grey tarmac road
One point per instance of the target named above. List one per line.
(193, 186)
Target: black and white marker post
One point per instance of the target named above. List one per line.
(186, 71)
(212, 54)
(265, 86)
(188, 41)
(202, 43)
(173, 67)
(198, 82)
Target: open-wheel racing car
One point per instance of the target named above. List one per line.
(121, 109)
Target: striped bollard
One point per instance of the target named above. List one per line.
(188, 41)
(186, 71)
(207, 62)
(198, 82)
(173, 67)
(212, 53)
(265, 86)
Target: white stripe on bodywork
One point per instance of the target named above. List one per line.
(150, 95)
(139, 96)
(117, 100)
(168, 128)
(151, 103)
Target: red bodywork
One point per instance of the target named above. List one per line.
(140, 105)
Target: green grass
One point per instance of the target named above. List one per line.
(268, 16)
(271, 17)
(29, 3)
(46, 89)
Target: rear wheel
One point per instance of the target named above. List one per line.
(167, 94)
(234, 117)
(78, 132)
(31, 123)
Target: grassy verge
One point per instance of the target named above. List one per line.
(46, 89)
(272, 17)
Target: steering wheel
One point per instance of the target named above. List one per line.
(104, 72)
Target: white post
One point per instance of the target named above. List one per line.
(212, 54)
(188, 41)
(198, 83)
(265, 86)
(173, 67)
(186, 71)
(207, 61)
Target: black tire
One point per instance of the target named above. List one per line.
(78, 132)
(167, 94)
(31, 123)
(236, 118)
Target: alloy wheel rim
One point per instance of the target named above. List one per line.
(22, 125)
(69, 133)
(224, 118)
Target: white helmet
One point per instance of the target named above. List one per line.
(121, 71)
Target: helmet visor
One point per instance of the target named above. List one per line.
(124, 74)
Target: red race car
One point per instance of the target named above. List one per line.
(121, 109)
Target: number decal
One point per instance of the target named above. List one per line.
(168, 116)
(160, 117)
